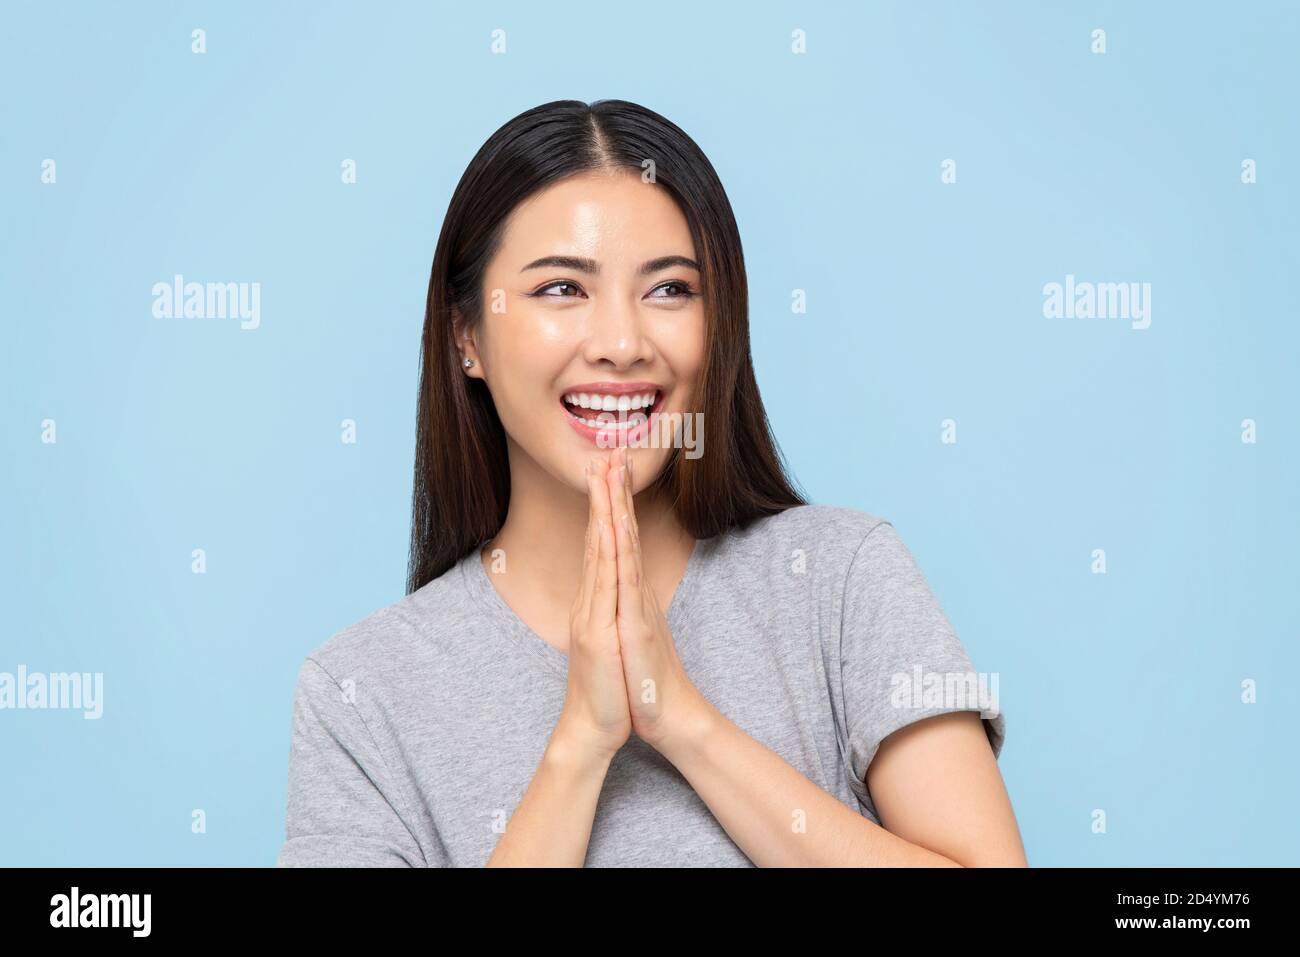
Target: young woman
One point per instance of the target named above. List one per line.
(627, 640)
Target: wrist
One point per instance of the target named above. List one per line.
(685, 729)
(573, 749)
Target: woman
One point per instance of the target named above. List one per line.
(623, 644)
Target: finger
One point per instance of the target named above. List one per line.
(591, 543)
(629, 573)
(604, 601)
(650, 600)
(631, 520)
(631, 512)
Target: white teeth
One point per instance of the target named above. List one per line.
(632, 409)
(611, 403)
(635, 419)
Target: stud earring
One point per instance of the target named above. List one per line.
(468, 362)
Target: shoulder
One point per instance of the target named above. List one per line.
(403, 634)
(831, 530)
(780, 555)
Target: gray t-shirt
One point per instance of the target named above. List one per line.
(417, 730)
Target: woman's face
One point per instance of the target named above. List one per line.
(592, 309)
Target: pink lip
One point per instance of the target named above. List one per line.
(613, 388)
(614, 437)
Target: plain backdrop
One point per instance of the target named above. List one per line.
(1122, 691)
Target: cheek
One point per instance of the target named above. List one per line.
(548, 331)
(681, 343)
(525, 352)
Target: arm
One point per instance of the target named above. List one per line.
(552, 825)
(935, 783)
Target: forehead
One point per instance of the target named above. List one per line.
(605, 215)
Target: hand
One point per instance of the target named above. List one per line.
(596, 712)
(661, 697)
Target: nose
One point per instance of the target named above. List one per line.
(616, 336)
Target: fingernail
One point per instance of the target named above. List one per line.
(623, 519)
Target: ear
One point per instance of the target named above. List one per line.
(466, 345)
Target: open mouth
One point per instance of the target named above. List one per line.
(603, 411)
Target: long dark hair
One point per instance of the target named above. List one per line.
(462, 479)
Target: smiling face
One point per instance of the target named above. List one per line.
(593, 317)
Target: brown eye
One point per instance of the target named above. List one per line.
(685, 291)
(542, 292)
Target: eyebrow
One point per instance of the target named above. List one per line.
(582, 264)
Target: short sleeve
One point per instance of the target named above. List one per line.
(342, 808)
(900, 660)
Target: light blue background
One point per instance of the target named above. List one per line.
(1122, 691)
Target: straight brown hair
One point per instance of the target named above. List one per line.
(462, 478)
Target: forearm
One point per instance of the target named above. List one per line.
(775, 815)
(551, 827)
